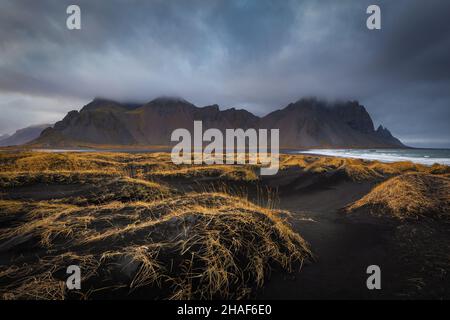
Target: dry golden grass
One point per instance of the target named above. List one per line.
(132, 235)
(408, 196)
(87, 187)
(21, 179)
(42, 164)
(116, 216)
(160, 165)
(203, 246)
(226, 172)
(38, 162)
(357, 169)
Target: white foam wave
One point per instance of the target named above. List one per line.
(380, 156)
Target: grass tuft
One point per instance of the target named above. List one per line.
(408, 196)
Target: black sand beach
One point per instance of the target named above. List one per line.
(412, 253)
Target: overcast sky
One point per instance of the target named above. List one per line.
(253, 54)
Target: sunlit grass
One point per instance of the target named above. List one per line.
(130, 231)
(199, 245)
(408, 196)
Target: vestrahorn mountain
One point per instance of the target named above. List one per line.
(307, 123)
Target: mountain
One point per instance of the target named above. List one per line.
(307, 123)
(316, 124)
(23, 136)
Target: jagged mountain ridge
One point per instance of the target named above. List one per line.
(23, 135)
(307, 123)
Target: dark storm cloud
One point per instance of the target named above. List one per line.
(255, 54)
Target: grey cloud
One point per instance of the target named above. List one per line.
(257, 54)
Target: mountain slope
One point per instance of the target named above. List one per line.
(24, 135)
(306, 123)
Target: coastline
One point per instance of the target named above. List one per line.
(427, 157)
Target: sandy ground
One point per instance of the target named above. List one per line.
(343, 249)
(345, 246)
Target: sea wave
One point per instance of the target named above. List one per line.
(422, 156)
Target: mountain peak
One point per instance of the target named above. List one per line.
(101, 103)
(383, 131)
(386, 135)
(308, 102)
(108, 104)
(212, 108)
(169, 100)
(102, 100)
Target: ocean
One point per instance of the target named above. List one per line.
(422, 156)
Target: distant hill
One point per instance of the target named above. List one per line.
(307, 123)
(23, 136)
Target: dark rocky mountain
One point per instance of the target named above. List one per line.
(317, 124)
(23, 136)
(308, 123)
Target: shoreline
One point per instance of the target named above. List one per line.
(372, 155)
(384, 155)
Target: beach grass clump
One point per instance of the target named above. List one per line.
(23, 179)
(408, 196)
(191, 246)
(122, 189)
(50, 161)
(221, 172)
(25, 168)
(357, 169)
